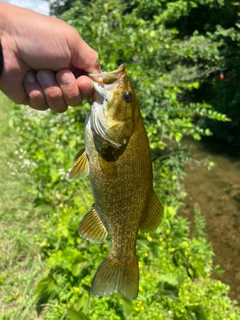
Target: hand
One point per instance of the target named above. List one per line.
(45, 60)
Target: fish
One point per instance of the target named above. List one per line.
(117, 160)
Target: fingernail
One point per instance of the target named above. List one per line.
(66, 79)
(30, 77)
(46, 77)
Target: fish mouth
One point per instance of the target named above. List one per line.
(108, 78)
(105, 82)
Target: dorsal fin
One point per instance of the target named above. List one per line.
(80, 168)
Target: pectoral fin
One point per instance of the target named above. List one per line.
(92, 228)
(153, 216)
(81, 166)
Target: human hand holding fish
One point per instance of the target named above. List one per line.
(118, 161)
(43, 63)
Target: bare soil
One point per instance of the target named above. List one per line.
(218, 193)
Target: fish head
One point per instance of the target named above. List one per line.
(114, 108)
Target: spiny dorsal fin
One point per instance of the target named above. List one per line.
(81, 166)
(92, 228)
(154, 215)
(114, 275)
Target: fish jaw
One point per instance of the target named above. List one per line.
(105, 83)
(109, 77)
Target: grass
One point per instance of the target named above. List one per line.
(20, 227)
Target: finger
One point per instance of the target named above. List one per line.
(36, 99)
(68, 84)
(85, 86)
(52, 91)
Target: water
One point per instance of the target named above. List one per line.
(218, 193)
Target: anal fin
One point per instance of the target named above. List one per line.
(91, 227)
(154, 215)
(80, 168)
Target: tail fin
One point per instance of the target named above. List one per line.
(114, 275)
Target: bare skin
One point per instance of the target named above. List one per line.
(45, 60)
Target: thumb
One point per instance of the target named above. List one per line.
(85, 58)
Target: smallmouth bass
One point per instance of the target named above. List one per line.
(118, 161)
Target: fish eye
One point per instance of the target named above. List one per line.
(127, 96)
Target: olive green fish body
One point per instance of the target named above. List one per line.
(120, 171)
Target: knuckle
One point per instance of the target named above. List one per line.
(53, 93)
(72, 96)
(35, 95)
(36, 100)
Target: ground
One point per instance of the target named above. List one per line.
(218, 193)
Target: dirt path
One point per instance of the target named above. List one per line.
(218, 194)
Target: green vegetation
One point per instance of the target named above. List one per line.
(20, 261)
(174, 61)
(174, 268)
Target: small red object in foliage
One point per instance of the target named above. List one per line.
(221, 76)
